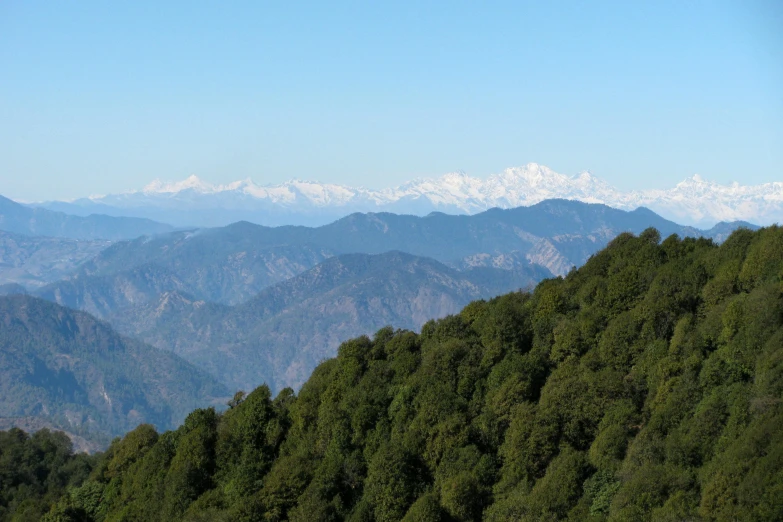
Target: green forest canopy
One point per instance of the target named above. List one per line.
(36, 470)
(646, 385)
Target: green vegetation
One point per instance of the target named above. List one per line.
(35, 471)
(647, 385)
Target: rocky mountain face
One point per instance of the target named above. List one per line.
(32, 262)
(193, 202)
(67, 369)
(36, 221)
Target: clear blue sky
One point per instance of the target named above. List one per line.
(97, 97)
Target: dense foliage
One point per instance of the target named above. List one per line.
(35, 471)
(647, 385)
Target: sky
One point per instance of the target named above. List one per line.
(100, 97)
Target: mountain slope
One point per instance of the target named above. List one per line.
(115, 295)
(36, 221)
(644, 386)
(231, 264)
(35, 261)
(556, 234)
(170, 290)
(281, 334)
(227, 265)
(193, 202)
(76, 372)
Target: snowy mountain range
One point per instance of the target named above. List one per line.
(194, 202)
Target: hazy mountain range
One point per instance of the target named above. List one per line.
(194, 202)
(247, 303)
(282, 333)
(35, 221)
(250, 303)
(33, 261)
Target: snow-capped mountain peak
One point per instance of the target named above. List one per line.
(192, 182)
(694, 200)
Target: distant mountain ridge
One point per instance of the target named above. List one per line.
(231, 265)
(33, 261)
(21, 219)
(250, 303)
(694, 201)
(556, 234)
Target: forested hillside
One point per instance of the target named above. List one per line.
(646, 385)
(74, 372)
